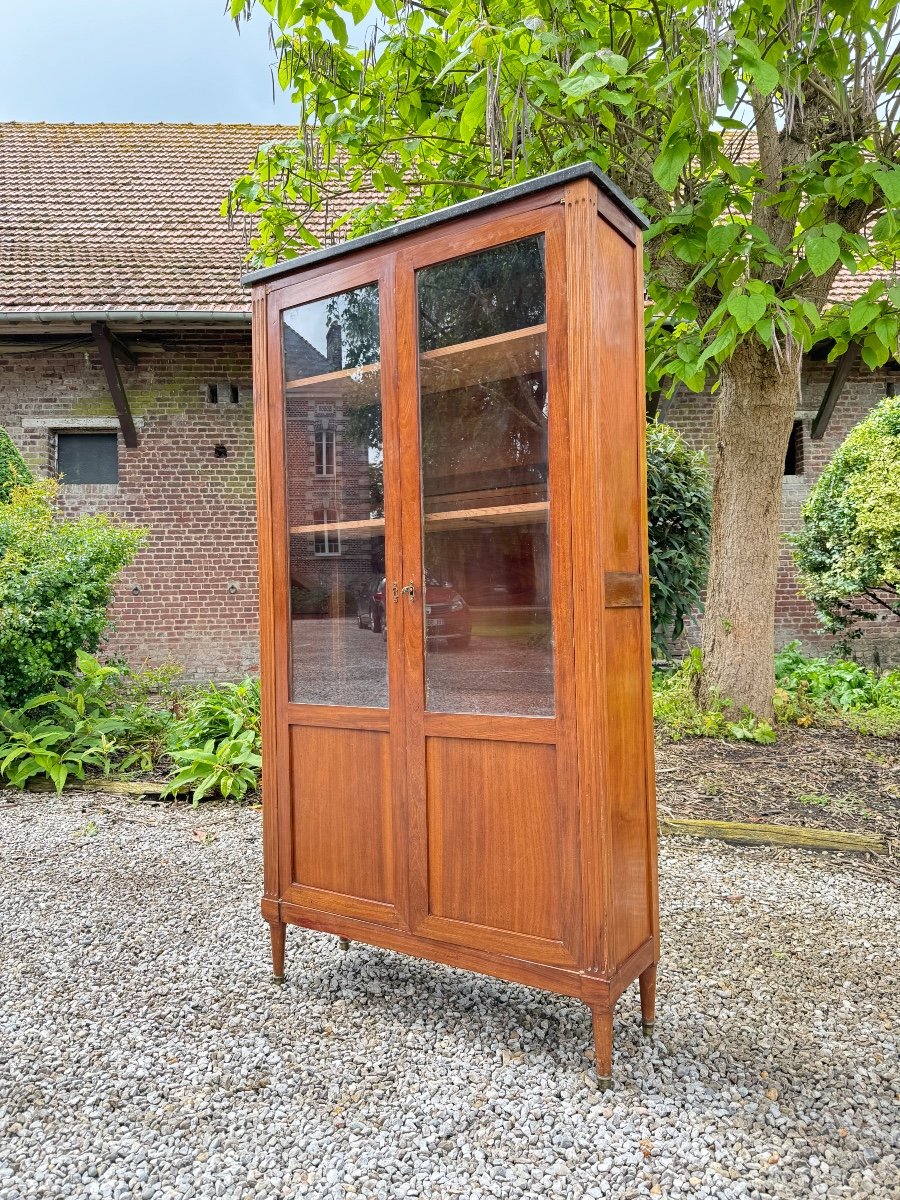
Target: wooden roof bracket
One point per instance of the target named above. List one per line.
(107, 351)
(839, 375)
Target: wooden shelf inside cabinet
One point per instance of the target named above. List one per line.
(463, 518)
(361, 384)
(501, 514)
(371, 527)
(485, 360)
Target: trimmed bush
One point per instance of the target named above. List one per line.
(679, 511)
(13, 469)
(849, 548)
(56, 583)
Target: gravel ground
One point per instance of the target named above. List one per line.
(145, 1053)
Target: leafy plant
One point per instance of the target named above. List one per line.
(56, 583)
(63, 733)
(849, 548)
(677, 712)
(13, 470)
(216, 742)
(814, 690)
(678, 515)
(229, 767)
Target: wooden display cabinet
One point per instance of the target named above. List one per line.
(457, 734)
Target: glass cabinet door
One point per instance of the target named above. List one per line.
(334, 462)
(483, 408)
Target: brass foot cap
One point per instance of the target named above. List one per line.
(647, 1027)
(279, 979)
(344, 943)
(604, 1082)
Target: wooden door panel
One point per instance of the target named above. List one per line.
(495, 842)
(343, 836)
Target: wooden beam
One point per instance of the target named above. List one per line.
(842, 369)
(666, 402)
(104, 345)
(746, 834)
(122, 350)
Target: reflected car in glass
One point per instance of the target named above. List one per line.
(370, 603)
(447, 616)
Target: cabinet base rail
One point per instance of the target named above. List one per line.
(599, 992)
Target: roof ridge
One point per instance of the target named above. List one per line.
(146, 125)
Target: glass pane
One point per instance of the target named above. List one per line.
(335, 491)
(483, 399)
(87, 457)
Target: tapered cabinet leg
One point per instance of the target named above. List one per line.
(277, 930)
(603, 1029)
(647, 982)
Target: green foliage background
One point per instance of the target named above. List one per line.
(849, 547)
(14, 471)
(679, 510)
(56, 582)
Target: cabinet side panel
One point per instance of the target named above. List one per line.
(628, 750)
(626, 787)
(262, 439)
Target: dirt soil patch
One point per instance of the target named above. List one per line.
(815, 778)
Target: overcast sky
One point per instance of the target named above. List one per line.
(134, 60)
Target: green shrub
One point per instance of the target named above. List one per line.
(215, 744)
(67, 731)
(813, 690)
(56, 583)
(676, 711)
(105, 719)
(849, 547)
(13, 469)
(679, 511)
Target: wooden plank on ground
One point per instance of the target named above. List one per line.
(109, 787)
(753, 834)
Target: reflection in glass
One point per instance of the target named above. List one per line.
(483, 401)
(335, 496)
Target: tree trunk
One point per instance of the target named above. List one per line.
(752, 425)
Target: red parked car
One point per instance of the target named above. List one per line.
(447, 616)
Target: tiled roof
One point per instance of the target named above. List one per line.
(127, 217)
(122, 216)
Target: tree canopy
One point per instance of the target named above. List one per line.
(760, 136)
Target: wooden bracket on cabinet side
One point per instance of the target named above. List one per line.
(624, 589)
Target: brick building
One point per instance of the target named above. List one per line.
(125, 363)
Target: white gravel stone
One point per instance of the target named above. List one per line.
(144, 1051)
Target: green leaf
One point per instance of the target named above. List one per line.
(746, 310)
(861, 313)
(473, 114)
(583, 85)
(821, 253)
(764, 76)
(721, 237)
(889, 182)
(669, 165)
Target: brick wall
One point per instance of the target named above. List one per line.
(191, 595)
(794, 617)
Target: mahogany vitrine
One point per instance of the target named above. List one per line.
(457, 736)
